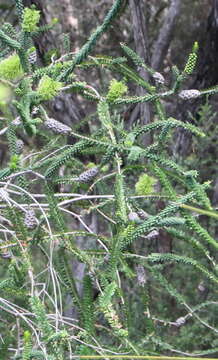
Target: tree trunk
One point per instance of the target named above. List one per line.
(140, 35)
(165, 35)
(206, 76)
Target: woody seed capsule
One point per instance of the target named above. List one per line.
(143, 215)
(180, 321)
(133, 216)
(5, 255)
(57, 127)
(35, 110)
(158, 77)
(141, 275)
(88, 175)
(17, 121)
(32, 57)
(30, 220)
(189, 94)
(19, 146)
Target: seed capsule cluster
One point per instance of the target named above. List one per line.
(88, 175)
(189, 94)
(17, 121)
(32, 57)
(35, 111)
(133, 216)
(30, 220)
(180, 321)
(158, 77)
(57, 127)
(143, 215)
(141, 275)
(19, 146)
(5, 255)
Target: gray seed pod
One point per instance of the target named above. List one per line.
(57, 127)
(133, 216)
(35, 110)
(152, 234)
(32, 57)
(30, 220)
(106, 258)
(180, 321)
(141, 276)
(88, 175)
(17, 121)
(5, 255)
(189, 94)
(143, 215)
(201, 287)
(19, 146)
(158, 77)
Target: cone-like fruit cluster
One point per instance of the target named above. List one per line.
(152, 234)
(158, 77)
(30, 220)
(143, 215)
(5, 255)
(57, 127)
(35, 110)
(19, 146)
(88, 175)
(141, 276)
(189, 94)
(180, 321)
(133, 216)
(32, 57)
(17, 121)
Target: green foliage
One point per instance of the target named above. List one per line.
(87, 306)
(106, 306)
(27, 346)
(121, 211)
(87, 47)
(20, 9)
(48, 88)
(103, 113)
(31, 18)
(192, 59)
(116, 89)
(10, 68)
(145, 185)
(40, 313)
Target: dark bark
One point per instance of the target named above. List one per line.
(165, 35)
(69, 20)
(140, 35)
(164, 240)
(206, 76)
